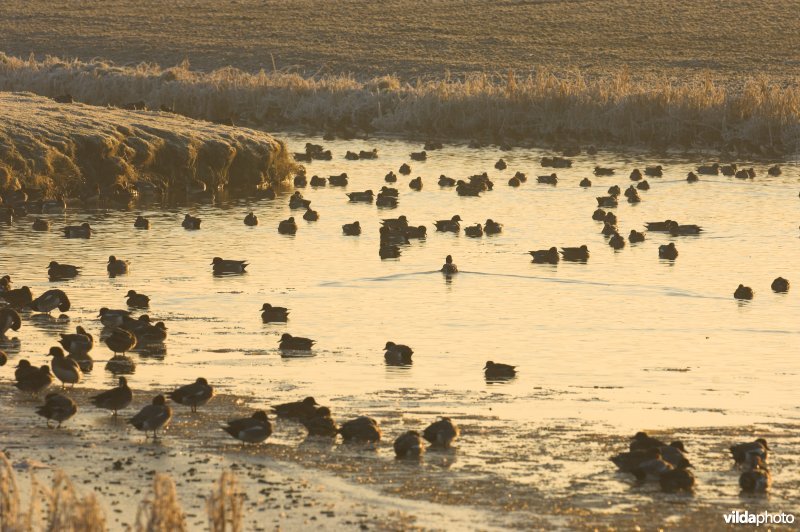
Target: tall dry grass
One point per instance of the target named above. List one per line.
(224, 505)
(611, 109)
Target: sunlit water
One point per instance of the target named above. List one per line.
(622, 343)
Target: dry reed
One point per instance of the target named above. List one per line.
(161, 511)
(224, 505)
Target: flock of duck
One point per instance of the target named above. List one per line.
(647, 457)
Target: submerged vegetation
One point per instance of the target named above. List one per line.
(760, 116)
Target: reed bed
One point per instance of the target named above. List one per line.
(760, 115)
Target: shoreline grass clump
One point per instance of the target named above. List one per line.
(757, 115)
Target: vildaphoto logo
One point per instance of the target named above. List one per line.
(743, 517)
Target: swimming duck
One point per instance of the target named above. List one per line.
(191, 222)
(365, 197)
(320, 423)
(545, 256)
(780, 285)
(17, 297)
(361, 429)
(41, 225)
(635, 237)
(599, 215)
(614, 191)
(56, 271)
(311, 215)
(395, 224)
(193, 395)
(654, 171)
(466, 189)
(659, 226)
(296, 343)
(36, 380)
(636, 175)
(78, 231)
(448, 268)
(296, 201)
(137, 300)
(253, 429)
(743, 292)
(353, 229)
(451, 225)
(551, 179)
(221, 266)
(391, 177)
(113, 317)
(418, 232)
(148, 334)
(408, 445)
(679, 479)
(633, 195)
(441, 433)
(676, 229)
(493, 371)
(774, 170)
(114, 399)
(608, 229)
(691, 177)
(708, 169)
(9, 320)
(51, 300)
(521, 177)
(65, 369)
(141, 223)
(297, 409)
(492, 228)
(338, 180)
(616, 241)
(117, 266)
(351, 156)
(607, 201)
(642, 441)
(599, 170)
(513, 182)
(415, 184)
(288, 226)
(371, 154)
(745, 452)
(397, 353)
(300, 180)
(668, 251)
(643, 185)
(500, 165)
(58, 408)
(585, 182)
(576, 254)
(152, 417)
(274, 314)
(756, 479)
(389, 191)
(251, 219)
(474, 231)
(386, 201)
(610, 218)
(445, 181)
(121, 341)
(481, 181)
(419, 156)
(317, 181)
(728, 169)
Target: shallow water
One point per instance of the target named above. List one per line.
(625, 342)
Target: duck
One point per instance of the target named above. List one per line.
(254, 429)
(610, 218)
(675, 454)
(445, 181)
(743, 292)
(79, 343)
(5, 283)
(551, 179)
(448, 268)
(616, 241)
(300, 180)
(774, 170)
(274, 314)
(474, 231)
(599, 170)
(500, 165)
(419, 156)
(338, 180)
(652, 468)
(117, 266)
(632, 195)
(35, 381)
(756, 479)
(635, 237)
(222, 266)
(643, 185)
(360, 429)
(492, 228)
(56, 271)
(636, 175)
(193, 395)
(452, 225)
(152, 417)
(310, 215)
(599, 215)
(545, 256)
(10, 320)
(467, 189)
(78, 231)
(495, 370)
(137, 300)
(141, 223)
(389, 191)
(780, 285)
(629, 461)
(745, 452)
(585, 183)
(708, 169)
(678, 479)
(609, 229)
(397, 353)
(607, 201)
(351, 156)
(419, 232)
(364, 197)
(441, 433)
(121, 341)
(659, 226)
(352, 229)
(17, 297)
(190, 222)
(65, 369)
(317, 181)
(384, 201)
(654, 171)
(521, 177)
(24, 370)
(295, 343)
(296, 201)
(668, 251)
(576, 254)
(57, 408)
(391, 177)
(415, 184)
(408, 445)
(148, 334)
(251, 219)
(370, 154)
(114, 399)
(614, 191)
(676, 229)
(320, 423)
(113, 317)
(41, 225)
(481, 181)
(642, 441)
(394, 224)
(691, 177)
(288, 226)
(728, 169)
(297, 409)
(51, 300)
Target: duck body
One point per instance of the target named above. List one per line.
(137, 300)
(295, 343)
(321, 423)
(642, 441)
(65, 369)
(449, 268)
(575, 254)
(452, 225)
(17, 297)
(743, 292)
(397, 353)
(271, 314)
(78, 231)
(360, 429)
(10, 320)
(288, 226)
(780, 285)
(676, 480)
(756, 479)
(297, 409)
(57, 408)
(79, 343)
(492, 228)
(222, 266)
(40, 225)
(668, 251)
(117, 266)
(191, 223)
(121, 341)
(474, 231)
(441, 433)
(352, 229)
(32, 379)
(141, 223)
(153, 416)
(114, 399)
(551, 179)
(745, 452)
(408, 445)
(113, 317)
(51, 300)
(635, 237)
(254, 429)
(193, 395)
(545, 256)
(58, 272)
(415, 184)
(495, 370)
(364, 197)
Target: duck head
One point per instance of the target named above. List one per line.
(309, 401)
(260, 416)
(159, 400)
(56, 352)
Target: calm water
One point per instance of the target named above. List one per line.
(623, 343)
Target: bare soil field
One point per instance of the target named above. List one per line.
(681, 38)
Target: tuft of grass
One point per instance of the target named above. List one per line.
(224, 505)
(161, 510)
